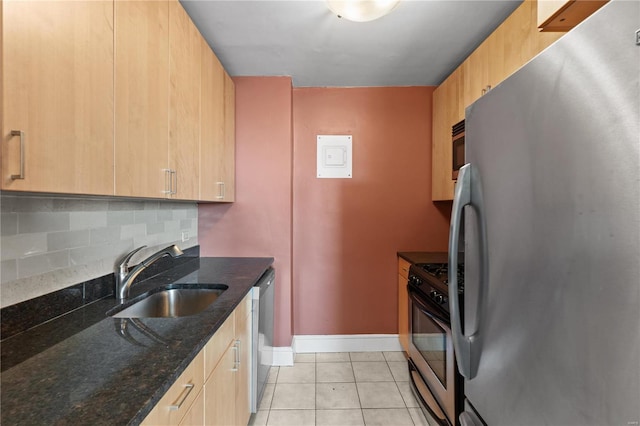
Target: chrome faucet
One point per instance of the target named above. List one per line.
(124, 277)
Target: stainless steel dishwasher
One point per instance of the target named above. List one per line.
(262, 335)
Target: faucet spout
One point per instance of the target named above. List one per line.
(124, 277)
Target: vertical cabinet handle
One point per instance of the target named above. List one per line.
(21, 134)
(183, 397)
(174, 189)
(167, 182)
(221, 190)
(236, 355)
(170, 182)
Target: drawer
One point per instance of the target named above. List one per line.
(176, 402)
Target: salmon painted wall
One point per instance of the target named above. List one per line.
(259, 222)
(346, 232)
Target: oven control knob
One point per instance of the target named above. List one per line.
(439, 298)
(433, 294)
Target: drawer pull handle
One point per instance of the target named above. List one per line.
(21, 134)
(183, 397)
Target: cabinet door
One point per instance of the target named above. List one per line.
(243, 340)
(403, 303)
(447, 110)
(57, 70)
(195, 415)
(212, 134)
(219, 391)
(184, 103)
(142, 91)
(476, 74)
(229, 155)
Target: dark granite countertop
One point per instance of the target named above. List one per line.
(79, 370)
(424, 256)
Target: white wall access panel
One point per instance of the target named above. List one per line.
(334, 156)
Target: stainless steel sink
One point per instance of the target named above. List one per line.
(175, 300)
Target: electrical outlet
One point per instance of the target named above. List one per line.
(185, 236)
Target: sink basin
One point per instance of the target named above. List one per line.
(176, 300)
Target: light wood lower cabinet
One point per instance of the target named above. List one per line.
(214, 388)
(177, 401)
(403, 303)
(57, 96)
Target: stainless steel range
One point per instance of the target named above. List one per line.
(432, 366)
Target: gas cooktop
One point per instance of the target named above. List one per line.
(440, 271)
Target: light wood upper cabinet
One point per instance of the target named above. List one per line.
(142, 92)
(57, 78)
(217, 131)
(448, 109)
(563, 15)
(515, 42)
(229, 152)
(185, 50)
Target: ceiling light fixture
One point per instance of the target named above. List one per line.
(361, 10)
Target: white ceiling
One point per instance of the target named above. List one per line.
(417, 44)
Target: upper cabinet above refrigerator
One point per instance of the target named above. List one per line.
(516, 41)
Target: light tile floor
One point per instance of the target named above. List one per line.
(340, 389)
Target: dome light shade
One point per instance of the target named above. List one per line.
(361, 10)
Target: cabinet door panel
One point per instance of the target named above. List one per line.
(184, 102)
(212, 135)
(219, 392)
(403, 303)
(243, 337)
(142, 91)
(58, 89)
(229, 153)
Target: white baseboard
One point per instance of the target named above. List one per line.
(346, 343)
(283, 355)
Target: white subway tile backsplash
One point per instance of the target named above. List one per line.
(119, 217)
(145, 216)
(41, 263)
(81, 256)
(19, 246)
(131, 231)
(8, 224)
(155, 228)
(8, 270)
(67, 240)
(165, 214)
(51, 243)
(29, 222)
(88, 220)
(101, 236)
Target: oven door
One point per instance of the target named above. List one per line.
(431, 351)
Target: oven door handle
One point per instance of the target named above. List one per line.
(425, 309)
(467, 347)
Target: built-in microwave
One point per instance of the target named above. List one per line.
(457, 132)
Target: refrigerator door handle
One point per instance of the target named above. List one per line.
(468, 193)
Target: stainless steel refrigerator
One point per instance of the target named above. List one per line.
(549, 207)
